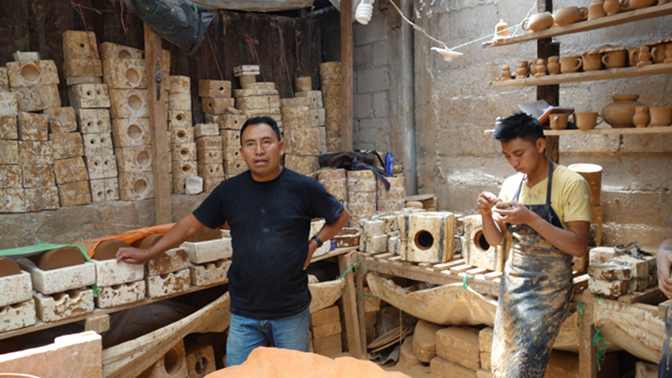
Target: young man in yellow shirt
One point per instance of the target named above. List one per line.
(664, 261)
(549, 220)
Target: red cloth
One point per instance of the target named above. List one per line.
(128, 236)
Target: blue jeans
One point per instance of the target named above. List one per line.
(246, 334)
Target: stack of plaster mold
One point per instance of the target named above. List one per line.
(17, 306)
(209, 261)
(390, 229)
(427, 237)
(374, 238)
(256, 99)
(210, 146)
(304, 88)
(233, 162)
(302, 141)
(330, 81)
(614, 274)
(184, 152)
(315, 227)
(11, 176)
(34, 82)
(392, 199)
(120, 283)
(82, 63)
(361, 196)
(476, 250)
(69, 165)
(334, 181)
(61, 280)
(167, 273)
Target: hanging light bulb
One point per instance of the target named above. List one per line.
(448, 55)
(364, 12)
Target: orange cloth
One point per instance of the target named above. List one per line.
(283, 363)
(128, 236)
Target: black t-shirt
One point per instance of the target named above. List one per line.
(270, 225)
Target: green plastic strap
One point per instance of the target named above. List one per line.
(353, 268)
(602, 349)
(157, 9)
(195, 9)
(464, 280)
(579, 310)
(367, 297)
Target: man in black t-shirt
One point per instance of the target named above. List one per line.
(269, 209)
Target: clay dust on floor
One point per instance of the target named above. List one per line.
(417, 371)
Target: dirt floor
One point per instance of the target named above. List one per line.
(417, 371)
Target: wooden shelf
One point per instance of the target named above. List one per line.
(625, 131)
(617, 19)
(577, 77)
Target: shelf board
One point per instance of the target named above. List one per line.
(617, 19)
(577, 77)
(625, 131)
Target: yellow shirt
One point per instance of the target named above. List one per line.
(570, 194)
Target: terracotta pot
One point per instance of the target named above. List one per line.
(538, 22)
(570, 15)
(596, 10)
(541, 68)
(533, 67)
(641, 118)
(592, 62)
(619, 113)
(658, 53)
(586, 120)
(553, 65)
(570, 64)
(559, 121)
(506, 72)
(614, 59)
(611, 7)
(661, 116)
(627, 5)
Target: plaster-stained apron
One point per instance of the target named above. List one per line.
(534, 297)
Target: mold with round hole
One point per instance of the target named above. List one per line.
(110, 192)
(184, 151)
(100, 195)
(135, 102)
(181, 134)
(134, 131)
(30, 73)
(164, 276)
(140, 187)
(89, 93)
(172, 361)
(480, 242)
(424, 240)
(124, 54)
(74, 293)
(186, 168)
(133, 77)
(99, 123)
(115, 287)
(143, 158)
(201, 366)
(180, 117)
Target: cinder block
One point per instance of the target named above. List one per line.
(97, 144)
(608, 288)
(31, 99)
(609, 272)
(100, 167)
(104, 189)
(61, 120)
(460, 346)
(314, 96)
(181, 118)
(361, 181)
(94, 121)
(59, 280)
(67, 145)
(33, 126)
(180, 84)
(429, 238)
(89, 96)
(82, 68)
(35, 176)
(33, 153)
(112, 296)
(214, 88)
(79, 45)
(209, 143)
(70, 170)
(181, 134)
(12, 200)
(206, 129)
(317, 117)
(110, 50)
(234, 167)
(111, 272)
(209, 273)
(134, 159)
(136, 186)
(8, 127)
(179, 101)
(63, 305)
(172, 364)
(172, 260)
(9, 104)
(11, 176)
(446, 369)
(211, 170)
(4, 80)
(485, 340)
(477, 251)
(17, 316)
(200, 360)
(74, 193)
(424, 340)
(31, 74)
(169, 283)
(128, 103)
(203, 156)
(16, 288)
(124, 73)
(131, 132)
(303, 141)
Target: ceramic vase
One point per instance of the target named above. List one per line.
(553, 65)
(619, 113)
(641, 118)
(611, 7)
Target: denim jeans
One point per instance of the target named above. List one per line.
(665, 364)
(246, 334)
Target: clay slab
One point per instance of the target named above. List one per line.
(175, 282)
(51, 308)
(209, 273)
(18, 316)
(59, 280)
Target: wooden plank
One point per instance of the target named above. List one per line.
(577, 77)
(346, 76)
(623, 131)
(349, 298)
(97, 323)
(460, 268)
(664, 305)
(419, 197)
(448, 265)
(361, 316)
(617, 19)
(652, 295)
(158, 123)
(492, 276)
(336, 252)
(587, 363)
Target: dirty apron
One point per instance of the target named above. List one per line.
(534, 297)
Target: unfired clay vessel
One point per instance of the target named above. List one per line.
(521, 70)
(596, 10)
(506, 72)
(641, 118)
(586, 120)
(553, 66)
(541, 68)
(611, 7)
(619, 113)
(570, 15)
(643, 57)
(627, 5)
(538, 22)
(559, 121)
(658, 53)
(661, 116)
(591, 61)
(614, 59)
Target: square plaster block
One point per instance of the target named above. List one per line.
(70, 81)
(216, 105)
(209, 143)
(230, 138)
(200, 360)
(124, 73)
(82, 68)
(214, 88)
(9, 127)
(59, 280)
(61, 120)
(233, 153)
(178, 184)
(211, 170)
(186, 152)
(31, 99)
(74, 193)
(361, 181)
(31, 74)
(100, 167)
(70, 170)
(12, 201)
(11, 176)
(15, 289)
(4, 80)
(67, 145)
(94, 121)
(234, 167)
(18, 316)
(226, 121)
(111, 272)
(58, 306)
(35, 176)
(206, 129)
(33, 126)
(36, 153)
(110, 50)
(180, 84)
(9, 104)
(44, 198)
(476, 250)
(105, 189)
(136, 186)
(390, 206)
(89, 96)
(183, 168)
(210, 156)
(79, 45)
(171, 365)
(134, 159)
(179, 118)
(210, 183)
(118, 295)
(9, 152)
(296, 103)
(209, 273)
(376, 244)
(169, 283)
(608, 288)
(207, 251)
(639, 271)
(429, 238)
(317, 117)
(314, 96)
(97, 144)
(179, 101)
(131, 132)
(170, 261)
(181, 134)
(26, 56)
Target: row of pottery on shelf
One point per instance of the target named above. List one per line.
(583, 120)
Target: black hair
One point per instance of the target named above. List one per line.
(519, 125)
(257, 120)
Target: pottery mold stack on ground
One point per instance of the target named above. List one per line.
(392, 199)
(11, 181)
(303, 142)
(209, 261)
(167, 273)
(330, 82)
(361, 196)
(17, 307)
(210, 152)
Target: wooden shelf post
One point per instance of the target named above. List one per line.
(346, 75)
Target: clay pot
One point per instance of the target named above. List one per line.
(592, 62)
(643, 57)
(586, 120)
(611, 7)
(641, 118)
(553, 66)
(593, 174)
(559, 121)
(501, 30)
(533, 67)
(632, 56)
(658, 53)
(541, 68)
(627, 5)
(570, 15)
(570, 64)
(522, 69)
(538, 22)
(614, 59)
(619, 113)
(596, 10)
(661, 116)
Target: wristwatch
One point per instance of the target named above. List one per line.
(318, 241)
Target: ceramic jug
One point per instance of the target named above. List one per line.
(538, 22)
(553, 65)
(611, 7)
(521, 70)
(541, 68)
(658, 53)
(592, 62)
(627, 5)
(614, 59)
(570, 64)
(559, 121)
(506, 72)
(596, 10)
(570, 15)
(619, 113)
(641, 117)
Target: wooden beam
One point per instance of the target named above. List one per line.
(587, 362)
(346, 75)
(361, 315)
(623, 131)
(349, 298)
(159, 126)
